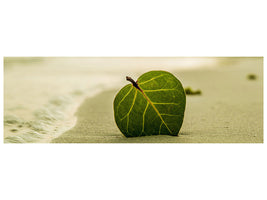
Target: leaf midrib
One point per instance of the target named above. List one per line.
(158, 113)
(149, 101)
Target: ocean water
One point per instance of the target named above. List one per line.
(41, 95)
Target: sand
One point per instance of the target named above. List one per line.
(41, 94)
(229, 110)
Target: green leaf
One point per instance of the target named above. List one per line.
(153, 105)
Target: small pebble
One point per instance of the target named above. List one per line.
(189, 91)
(251, 76)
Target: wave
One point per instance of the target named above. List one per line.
(56, 115)
(41, 95)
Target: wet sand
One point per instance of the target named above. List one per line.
(229, 110)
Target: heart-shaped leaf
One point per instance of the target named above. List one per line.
(153, 105)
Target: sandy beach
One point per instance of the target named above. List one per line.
(229, 110)
(41, 94)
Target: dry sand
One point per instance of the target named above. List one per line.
(42, 94)
(230, 109)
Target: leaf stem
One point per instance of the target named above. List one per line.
(133, 82)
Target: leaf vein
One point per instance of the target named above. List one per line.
(166, 103)
(143, 128)
(157, 90)
(124, 98)
(160, 127)
(152, 79)
(152, 104)
(130, 107)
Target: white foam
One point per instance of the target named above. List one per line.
(48, 110)
(42, 96)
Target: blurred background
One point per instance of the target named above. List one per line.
(41, 94)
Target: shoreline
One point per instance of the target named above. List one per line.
(230, 110)
(42, 95)
(41, 98)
